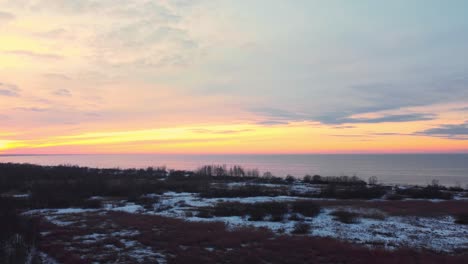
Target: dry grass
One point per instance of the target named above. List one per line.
(188, 242)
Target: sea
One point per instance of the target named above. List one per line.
(401, 169)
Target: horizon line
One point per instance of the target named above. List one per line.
(234, 154)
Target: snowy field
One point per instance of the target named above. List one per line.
(440, 234)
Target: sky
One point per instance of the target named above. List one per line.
(239, 76)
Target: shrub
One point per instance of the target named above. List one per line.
(229, 209)
(188, 214)
(395, 197)
(374, 215)
(462, 219)
(204, 213)
(92, 203)
(307, 179)
(256, 211)
(243, 191)
(428, 192)
(306, 208)
(345, 217)
(259, 211)
(147, 201)
(295, 217)
(290, 179)
(456, 189)
(353, 192)
(301, 228)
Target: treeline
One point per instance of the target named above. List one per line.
(72, 186)
(67, 186)
(223, 170)
(341, 180)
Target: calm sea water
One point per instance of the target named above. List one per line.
(449, 169)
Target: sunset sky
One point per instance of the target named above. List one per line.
(240, 76)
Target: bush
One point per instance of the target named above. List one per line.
(147, 201)
(374, 215)
(243, 191)
(301, 228)
(203, 213)
(295, 217)
(353, 192)
(429, 192)
(456, 189)
(345, 217)
(92, 204)
(462, 219)
(256, 211)
(306, 208)
(290, 179)
(395, 197)
(229, 209)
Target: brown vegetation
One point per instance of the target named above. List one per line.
(187, 242)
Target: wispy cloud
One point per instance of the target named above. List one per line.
(382, 119)
(212, 131)
(56, 76)
(271, 123)
(32, 109)
(459, 131)
(6, 16)
(7, 89)
(280, 116)
(36, 55)
(62, 92)
(54, 33)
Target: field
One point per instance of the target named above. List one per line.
(83, 215)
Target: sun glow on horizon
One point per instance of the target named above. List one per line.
(228, 77)
(300, 137)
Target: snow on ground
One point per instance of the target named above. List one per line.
(24, 195)
(440, 233)
(297, 187)
(59, 211)
(128, 208)
(304, 188)
(58, 216)
(46, 259)
(241, 184)
(435, 233)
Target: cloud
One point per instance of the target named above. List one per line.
(62, 92)
(211, 131)
(383, 119)
(32, 54)
(338, 102)
(271, 123)
(54, 33)
(32, 109)
(462, 109)
(5, 16)
(56, 76)
(10, 90)
(459, 131)
(279, 116)
(343, 127)
(276, 115)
